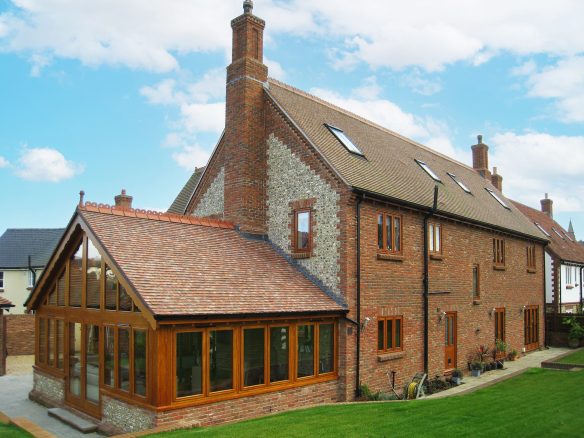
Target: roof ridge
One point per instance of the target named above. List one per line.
(154, 215)
(364, 120)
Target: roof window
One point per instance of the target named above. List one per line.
(541, 229)
(346, 141)
(558, 233)
(568, 236)
(499, 200)
(428, 171)
(459, 182)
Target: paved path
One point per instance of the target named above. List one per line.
(532, 360)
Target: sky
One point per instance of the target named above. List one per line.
(104, 95)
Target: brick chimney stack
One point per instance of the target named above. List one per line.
(123, 201)
(480, 158)
(245, 171)
(547, 206)
(497, 180)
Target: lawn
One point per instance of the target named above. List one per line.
(576, 358)
(537, 403)
(11, 431)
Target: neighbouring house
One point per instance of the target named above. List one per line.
(316, 252)
(180, 202)
(564, 260)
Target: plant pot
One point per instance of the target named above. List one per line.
(573, 342)
(500, 364)
(475, 373)
(457, 380)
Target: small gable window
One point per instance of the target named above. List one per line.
(302, 231)
(346, 141)
(530, 258)
(428, 171)
(458, 181)
(499, 200)
(499, 253)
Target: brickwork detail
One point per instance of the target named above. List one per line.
(290, 180)
(20, 334)
(125, 417)
(49, 388)
(212, 202)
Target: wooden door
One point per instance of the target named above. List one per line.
(450, 341)
(531, 327)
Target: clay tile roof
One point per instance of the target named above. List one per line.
(565, 249)
(388, 167)
(16, 244)
(179, 205)
(210, 269)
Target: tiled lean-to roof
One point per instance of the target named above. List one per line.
(560, 242)
(179, 204)
(388, 165)
(16, 244)
(183, 265)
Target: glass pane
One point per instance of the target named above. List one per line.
(109, 354)
(380, 231)
(93, 276)
(253, 356)
(431, 237)
(380, 335)
(389, 233)
(279, 354)
(111, 289)
(397, 233)
(475, 281)
(76, 277)
(125, 300)
(42, 340)
(92, 363)
(446, 325)
(60, 343)
(53, 297)
(389, 335)
(189, 363)
(75, 358)
(451, 331)
(124, 359)
(302, 229)
(221, 360)
(438, 236)
(398, 333)
(326, 348)
(305, 350)
(140, 362)
(51, 341)
(61, 290)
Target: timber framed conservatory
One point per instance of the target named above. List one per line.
(110, 344)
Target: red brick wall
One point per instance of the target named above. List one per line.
(20, 334)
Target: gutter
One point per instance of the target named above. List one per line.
(358, 368)
(426, 280)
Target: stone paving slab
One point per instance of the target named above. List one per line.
(72, 420)
(32, 428)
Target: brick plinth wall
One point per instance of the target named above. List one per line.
(20, 334)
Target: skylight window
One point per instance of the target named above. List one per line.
(541, 229)
(459, 182)
(558, 233)
(568, 236)
(428, 171)
(499, 200)
(346, 141)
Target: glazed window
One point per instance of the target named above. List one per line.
(530, 257)
(139, 362)
(93, 276)
(429, 171)
(345, 141)
(124, 359)
(253, 356)
(302, 231)
(499, 200)
(326, 348)
(61, 290)
(499, 324)
(92, 363)
(76, 277)
(476, 284)
(108, 353)
(220, 360)
(31, 278)
(498, 252)
(42, 341)
(435, 238)
(116, 296)
(305, 340)
(389, 233)
(458, 181)
(279, 354)
(189, 364)
(390, 334)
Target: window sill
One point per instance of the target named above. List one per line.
(384, 357)
(392, 257)
(531, 270)
(476, 301)
(499, 267)
(436, 256)
(300, 255)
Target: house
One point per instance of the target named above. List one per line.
(316, 252)
(564, 260)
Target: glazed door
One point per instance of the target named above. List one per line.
(83, 370)
(531, 327)
(450, 341)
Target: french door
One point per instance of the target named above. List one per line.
(531, 327)
(83, 367)
(450, 341)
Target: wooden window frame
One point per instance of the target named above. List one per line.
(531, 320)
(384, 319)
(384, 249)
(500, 322)
(308, 250)
(530, 251)
(437, 231)
(235, 334)
(499, 256)
(476, 293)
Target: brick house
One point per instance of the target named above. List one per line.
(315, 252)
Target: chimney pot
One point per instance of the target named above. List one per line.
(247, 6)
(81, 195)
(480, 139)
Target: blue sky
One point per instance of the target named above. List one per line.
(107, 95)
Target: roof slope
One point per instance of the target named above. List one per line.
(16, 244)
(389, 167)
(189, 269)
(563, 247)
(179, 204)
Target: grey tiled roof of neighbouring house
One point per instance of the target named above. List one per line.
(392, 166)
(179, 204)
(16, 244)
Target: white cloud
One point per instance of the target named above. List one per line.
(3, 162)
(191, 156)
(45, 164)
(536, 163)
(275, 69)
(417, 83)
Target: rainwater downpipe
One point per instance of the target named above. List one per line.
(357, 373)
(426, 280)
(32, 272)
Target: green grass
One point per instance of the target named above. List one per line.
(576, 358)
(11, 431)
(537, 403)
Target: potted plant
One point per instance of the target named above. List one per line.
(500, 349)
(513, 355)
(456, 377)
(576, 331)
(476, 368)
